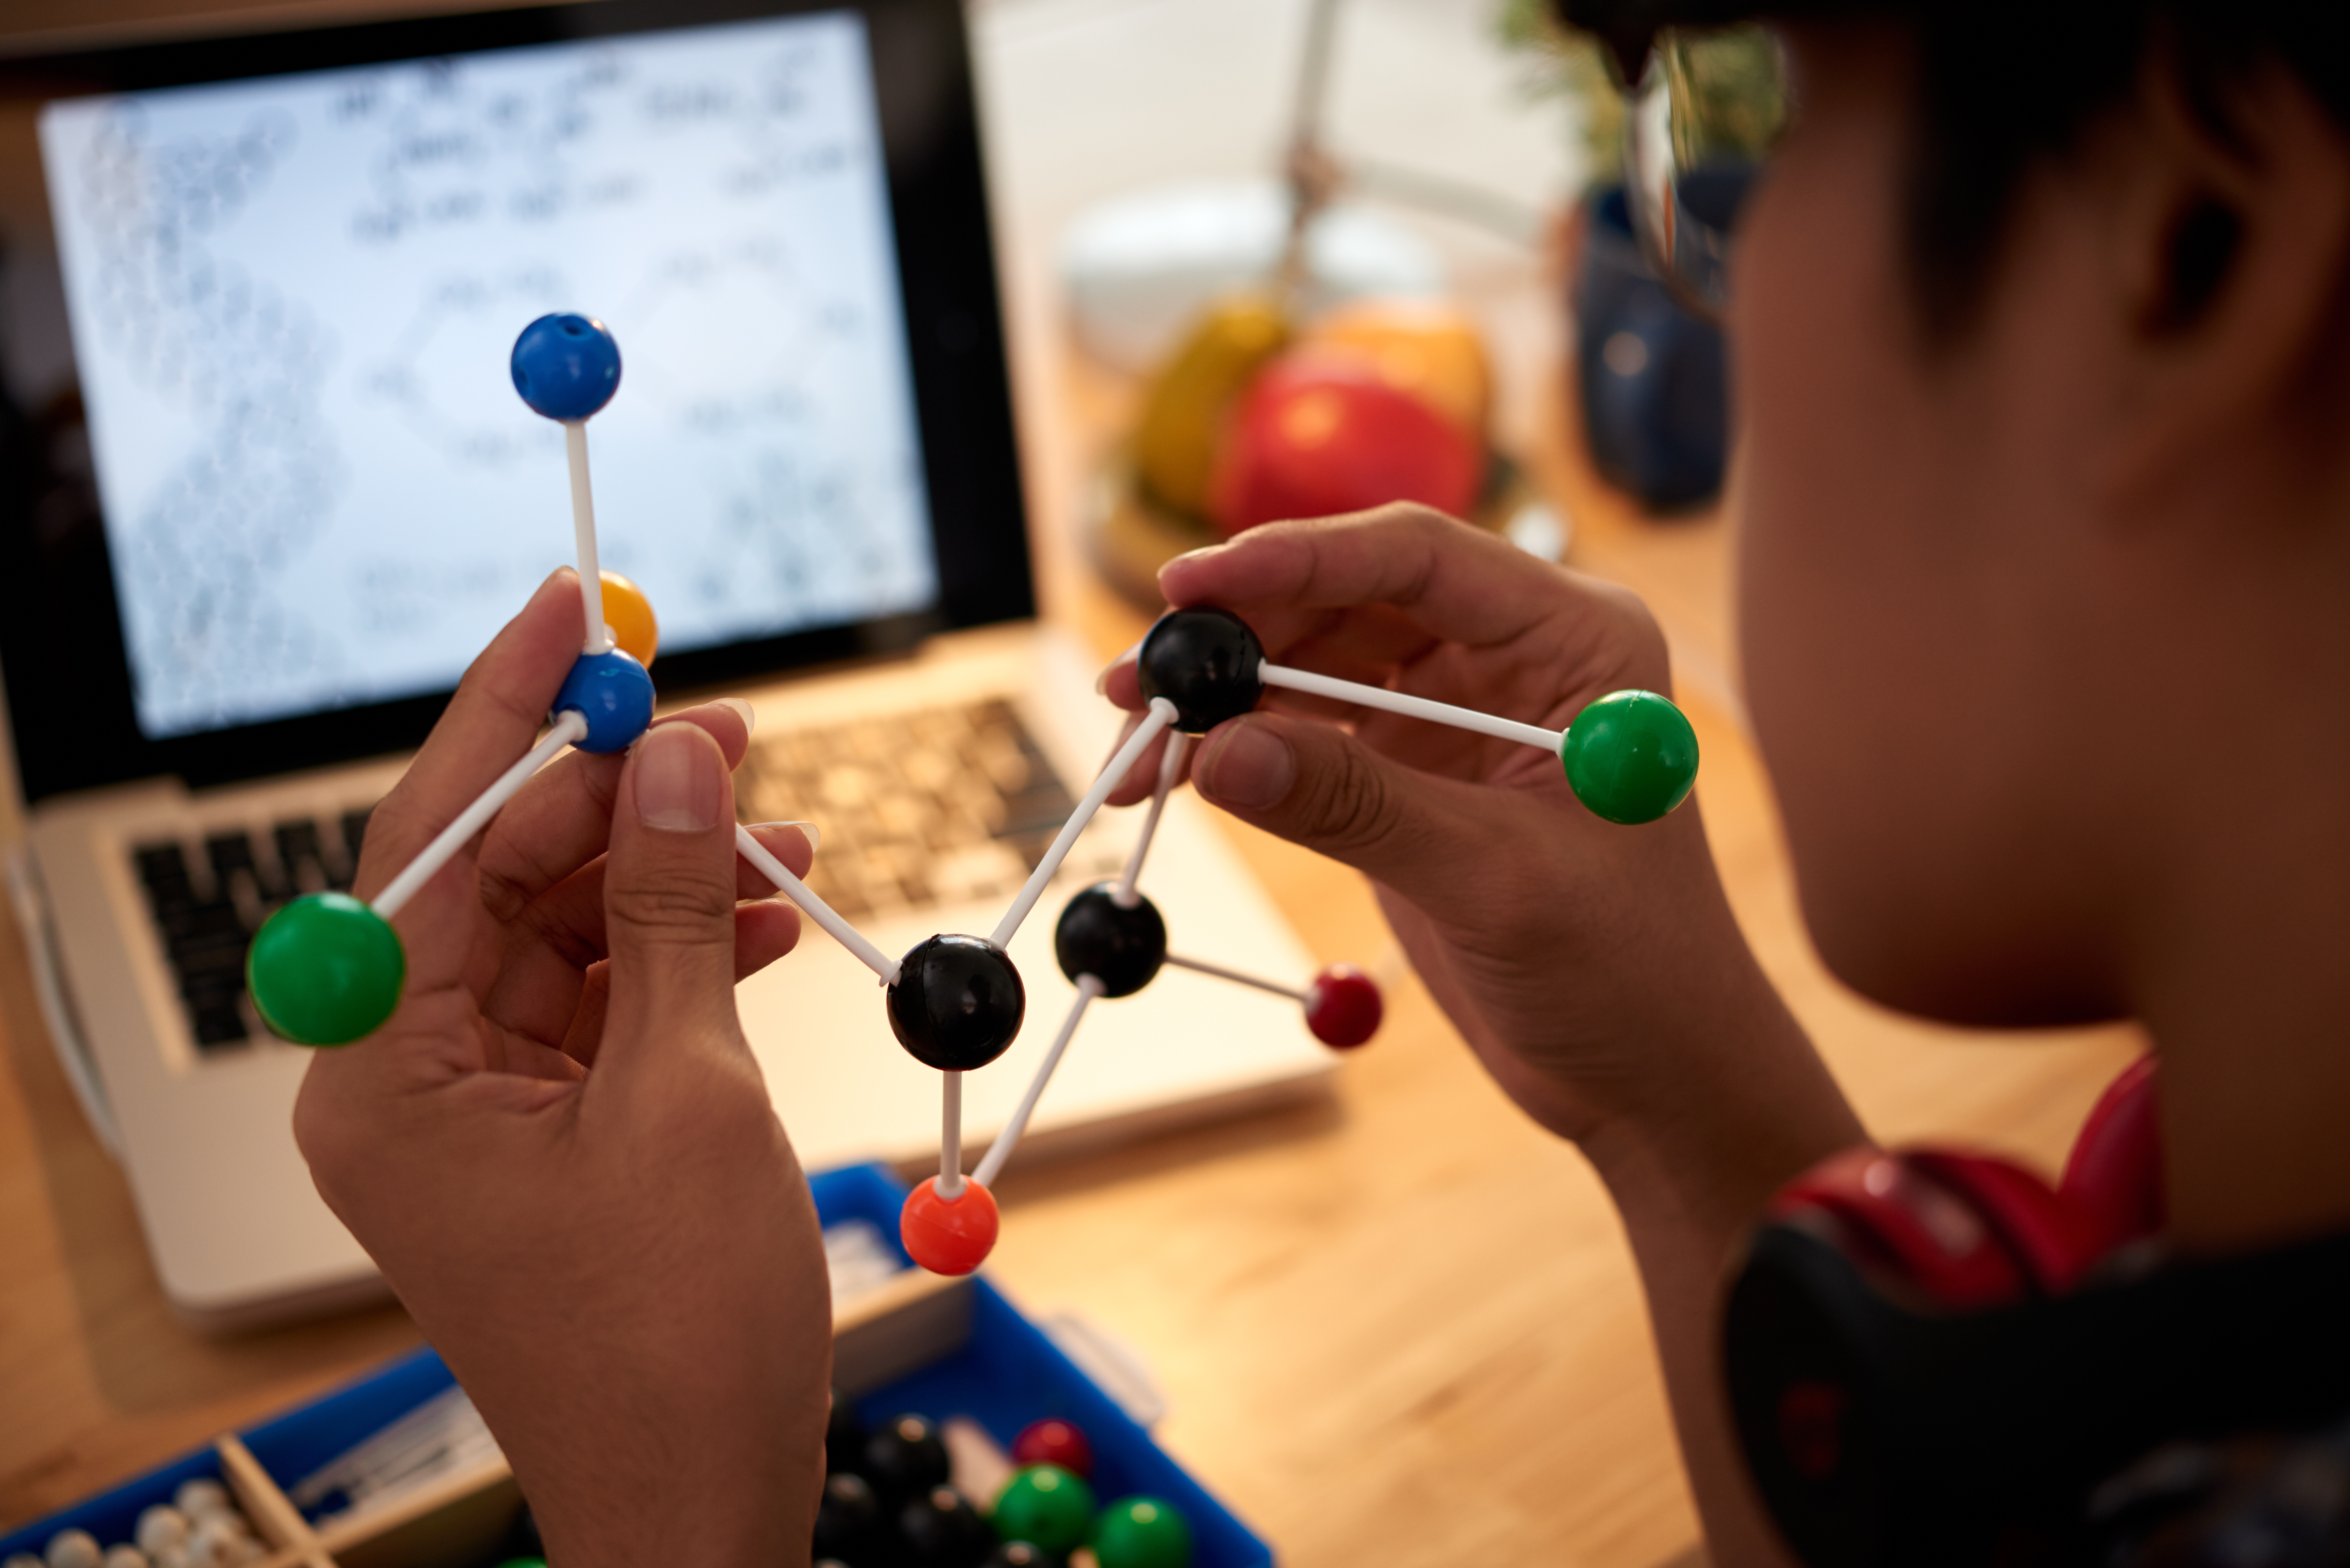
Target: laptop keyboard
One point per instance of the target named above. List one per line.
(209, 895)
(917, 807)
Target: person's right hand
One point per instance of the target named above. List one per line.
(560, 1149)
(1595, 968)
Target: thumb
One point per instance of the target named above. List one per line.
(669, 892)
(1320, 787)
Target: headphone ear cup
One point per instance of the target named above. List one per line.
(2113, 1178)
(1840, 1332)
(2050, 1238)
(1888, 1213)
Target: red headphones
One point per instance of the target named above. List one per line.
(1969, 1232)
(1934, 1357)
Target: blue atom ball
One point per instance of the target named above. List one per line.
(613, 693)
(567, 366)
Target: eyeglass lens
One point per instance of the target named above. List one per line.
(1699, 125)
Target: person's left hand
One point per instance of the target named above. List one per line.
(560, 1150)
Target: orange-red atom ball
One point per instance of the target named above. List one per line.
(1342, 1007)
(630, 617)
(948, 1238)
(1052, 1441)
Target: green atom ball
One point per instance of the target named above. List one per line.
(1045, 1506)
(325, 970)
(1142, 1532)
(1631, 756)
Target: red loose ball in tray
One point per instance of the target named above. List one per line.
(949, 1237)
(1320, 434)
(1343, 1007)
(1052, 1441)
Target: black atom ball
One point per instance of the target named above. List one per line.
(1021, 1554)
(941, 1530)
(1205, 660)
(905, 1458)
(843, 1437)
(848, 1523)
(1119, 947)
(523, 1539)
(957, 1002)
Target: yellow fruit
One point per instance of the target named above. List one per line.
(1423, 346)
(1183, 411)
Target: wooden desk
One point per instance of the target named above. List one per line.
(1402, 1330)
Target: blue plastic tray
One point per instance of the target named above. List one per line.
(1005, 1376)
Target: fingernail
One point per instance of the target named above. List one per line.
(678, 777)
(1101, 681)
(1251, 767)
(750, 714)
(808, 830)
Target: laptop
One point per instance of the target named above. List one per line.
(266, 490)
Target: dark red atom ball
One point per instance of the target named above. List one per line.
(1052, 1441)
(1342, 1006)
(948, 1238)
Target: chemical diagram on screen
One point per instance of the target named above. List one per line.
(328, 970)
(458, 143)
(233, 355)
(289, 296)
(787, 521)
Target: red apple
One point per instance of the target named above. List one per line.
(1317, 433)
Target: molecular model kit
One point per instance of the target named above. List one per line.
(328, 969)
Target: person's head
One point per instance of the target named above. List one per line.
(2041, 336)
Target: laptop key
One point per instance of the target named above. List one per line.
(164, 872)
(160, 864)
(301, 856)
(218, 999)
(220, 1024)
(355, 824)
(229, 854)
(192, 925)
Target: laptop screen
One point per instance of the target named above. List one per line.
(287, 296)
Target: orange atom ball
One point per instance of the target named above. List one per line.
(949, 1237)
(630, 617)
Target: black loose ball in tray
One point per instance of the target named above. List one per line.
(1021, 1554)
(957, 1002)
(941, 1530)
(905, 1458)
(1120, 947)
(843, 1437)
(848, 1520)
(1205, 661)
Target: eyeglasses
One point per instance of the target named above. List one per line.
(1699, 121)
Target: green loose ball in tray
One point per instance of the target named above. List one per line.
(1142, 1532)
(1045, 1506)
(325, 970)
(1630, 757)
